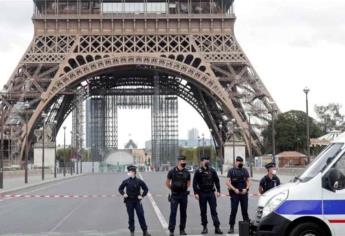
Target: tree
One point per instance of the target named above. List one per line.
(290, 132)
(193, 154)
(62, 153)
(330, 117)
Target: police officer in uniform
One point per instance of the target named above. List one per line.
(205, 182)
(133, 197)
(270, 180)
(178, 181)
(238, 183)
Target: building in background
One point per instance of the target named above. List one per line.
(193, 134)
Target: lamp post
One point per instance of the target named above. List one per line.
(233, 122)
(273, 133)
(250, 151)
(64, 151)
(43, 117)
(55, 132)
(306, 90)
(221, 146)
(71, 153)
(26, 106)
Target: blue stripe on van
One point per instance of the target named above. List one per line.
(300, 207)
(311, 207)
(334, 207)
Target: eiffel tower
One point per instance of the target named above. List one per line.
(189, 45)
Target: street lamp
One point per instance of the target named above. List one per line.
(26, 106)
(70, 158)
(233, 122)
(44, 115)
(64, 151)
(221, 148)
(273, 132)
(306, 90)
(250, 151)
(55, 132)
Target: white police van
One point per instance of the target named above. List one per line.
(313, 204)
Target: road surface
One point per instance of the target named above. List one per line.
(89, 205)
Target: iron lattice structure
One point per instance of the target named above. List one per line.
(102, 119)
(192, 42)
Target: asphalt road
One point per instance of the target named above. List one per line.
(87, 205)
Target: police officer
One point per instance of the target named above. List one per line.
(238, 183)
(133, 197)
(178, 181)
(270, 180)
(205, 182)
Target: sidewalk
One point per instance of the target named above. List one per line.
(12, 184)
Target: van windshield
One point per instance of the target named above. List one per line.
(321, 161)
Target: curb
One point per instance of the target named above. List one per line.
(27, 186)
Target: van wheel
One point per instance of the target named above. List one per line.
(308, 229)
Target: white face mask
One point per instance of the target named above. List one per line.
(131, 174)
(274, 172)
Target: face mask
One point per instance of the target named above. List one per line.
(183, 165)
(131, 174)
(274, 172)
(240, 166)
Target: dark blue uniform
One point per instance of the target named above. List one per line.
(133, 190)
(267, 183)
(179, 196)
(205, 182)
(239, 177)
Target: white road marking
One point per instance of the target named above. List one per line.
(66, 217)
(158, 212)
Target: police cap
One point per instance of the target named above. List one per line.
(238, 158)
(181, 158)
(132, 168)
(270, 165)
(204, 157)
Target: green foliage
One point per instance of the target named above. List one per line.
(193, 154)
(67, 153)
(330, 117)
(290, 130)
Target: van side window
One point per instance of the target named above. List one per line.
(335, 177)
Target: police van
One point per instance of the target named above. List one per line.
(313, 204)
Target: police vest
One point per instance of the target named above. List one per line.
(133, 188)
(206, 178)
(179, 181)
(269, 183)
(238, 178)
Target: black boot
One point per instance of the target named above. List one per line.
(218, 231)
(145, 233)
(205, 230)
(171, 233)
(182, 232)
(132, 233)
(231, 230)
